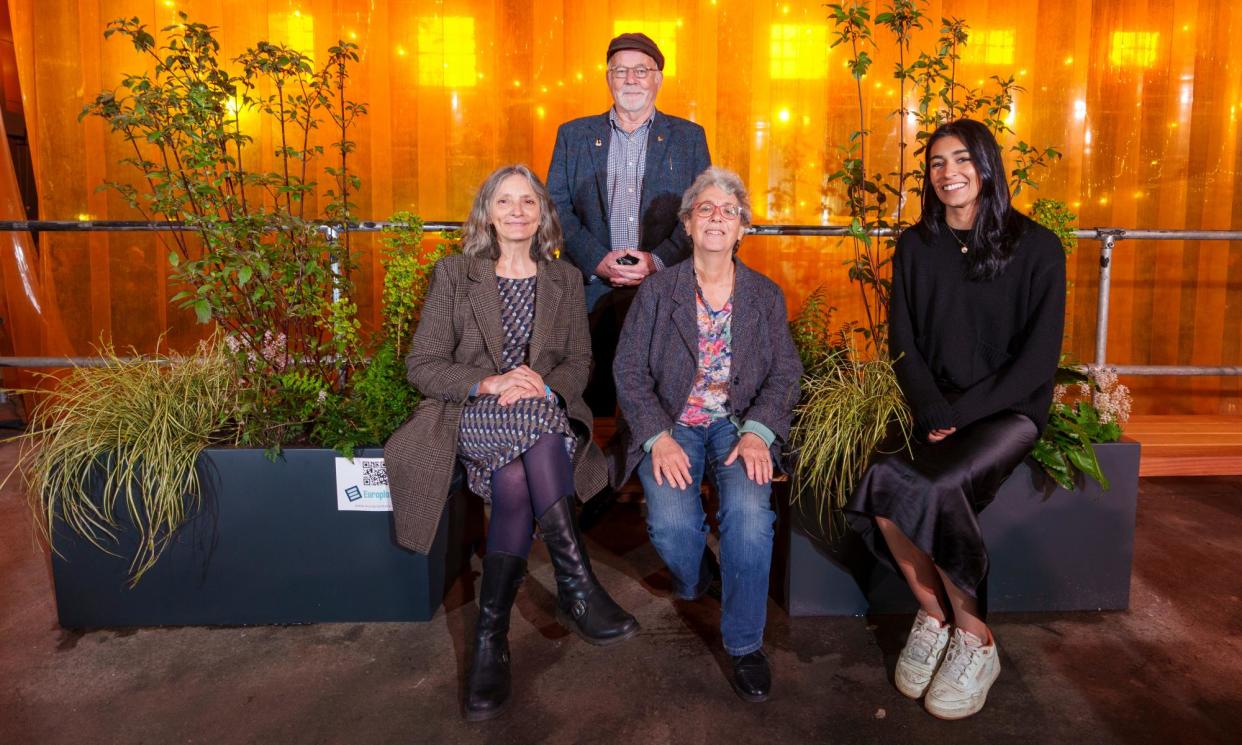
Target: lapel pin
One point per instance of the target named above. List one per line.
(659, 138)
(599, 142)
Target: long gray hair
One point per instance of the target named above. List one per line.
(478, 234)
(723, 179)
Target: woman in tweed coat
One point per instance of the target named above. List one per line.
(501, 355)
(707, 377)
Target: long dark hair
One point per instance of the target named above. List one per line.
(997, 225)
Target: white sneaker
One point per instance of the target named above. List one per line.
(925, 648)
(961, 684)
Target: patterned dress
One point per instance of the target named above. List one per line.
(492, 435)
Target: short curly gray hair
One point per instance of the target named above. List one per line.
(723, 179)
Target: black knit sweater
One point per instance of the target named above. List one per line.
(964, 349)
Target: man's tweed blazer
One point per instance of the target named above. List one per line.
(457, 344)
(578, 182)
(658, 355)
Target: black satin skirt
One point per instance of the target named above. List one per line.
(935, 492)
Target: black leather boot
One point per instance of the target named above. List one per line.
(583, 606)
(487, 684)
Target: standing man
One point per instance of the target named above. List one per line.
(617, 179)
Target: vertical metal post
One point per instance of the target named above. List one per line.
(1101, 308)
(333, 234)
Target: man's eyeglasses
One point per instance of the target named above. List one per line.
(705, 210)
(621, 73)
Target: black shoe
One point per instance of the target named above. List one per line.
(752, 677)
(582, 604)
(488, 682)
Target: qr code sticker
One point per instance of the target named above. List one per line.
(374, 473)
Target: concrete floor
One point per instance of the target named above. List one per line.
(1167, 671)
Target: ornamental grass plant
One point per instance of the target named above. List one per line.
(849, 402)
(846, 411)
(127, 434)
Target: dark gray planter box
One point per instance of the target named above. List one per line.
(268, 547)
(1049, 551)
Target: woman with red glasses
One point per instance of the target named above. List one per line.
(707, 377)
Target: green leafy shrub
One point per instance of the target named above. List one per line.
(1056, 216)
(267, 262)
(811, 328)
(261, 262)
(1088, 407)
(378, 398)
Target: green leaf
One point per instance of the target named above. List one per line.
(202, 310)
(1084, 460)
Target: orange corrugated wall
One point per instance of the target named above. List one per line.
(1143, 99)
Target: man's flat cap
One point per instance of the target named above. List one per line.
(639, 43)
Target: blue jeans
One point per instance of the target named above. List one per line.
(678, 528)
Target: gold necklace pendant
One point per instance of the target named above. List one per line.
(961, 243)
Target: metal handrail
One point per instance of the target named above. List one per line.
(1107, 237)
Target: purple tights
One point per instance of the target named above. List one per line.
(525, 488)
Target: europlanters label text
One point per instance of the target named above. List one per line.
(362, 485)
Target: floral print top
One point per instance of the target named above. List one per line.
(709, 396)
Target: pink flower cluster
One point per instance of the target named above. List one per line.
(1103, 391)
(272, 349)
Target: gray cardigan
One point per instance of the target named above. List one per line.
(657, 358)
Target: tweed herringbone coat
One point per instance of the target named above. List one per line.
(458, 343)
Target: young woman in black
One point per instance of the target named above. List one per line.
(976, 319)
